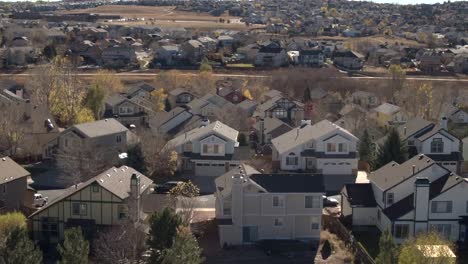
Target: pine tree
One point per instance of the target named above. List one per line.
(387, 249)
(393, 149)
(167, 105)
(163, 229)
(20, 249)
(74, 249)
(136, 159)
(366, 151)
(307, 96)
(184, 250)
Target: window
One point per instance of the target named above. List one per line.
(279, 221)
(226, 209)
(314, 225)
(437, 145)
(378, 215)
(213, 148)
(441, 207)
(79, 209)
(216, 149)
(331, 147)
(95, 188)
(280, 113)
(118, 138)
(292, 159)
(390, 198)
(278, 201)
(443, 229)
(342, 147)
(401, 230)
(122, 211)
(312, 201)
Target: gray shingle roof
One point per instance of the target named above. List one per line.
(216, 128)
(10, 170)
(115, 180)
(224, 182)
(413, 126)
(387, 108)
(302, 135)
(100, 128)
(290, 183)
(394, 173)
(360, 194)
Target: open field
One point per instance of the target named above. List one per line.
(166, 16)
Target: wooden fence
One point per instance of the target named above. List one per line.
(334, 225)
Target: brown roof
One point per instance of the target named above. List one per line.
(10, 170)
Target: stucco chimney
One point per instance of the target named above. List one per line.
(237, 199)
(444, 122)
(421, 204)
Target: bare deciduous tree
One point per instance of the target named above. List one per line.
(184, 196)
(12, 130)
(161, 160)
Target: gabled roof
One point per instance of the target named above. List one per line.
(360, 194)
(394, 173)
(115, 180)
(10, 170)
(224, 182)
(303, 134)
(100, 128)
(217, 128)
(387, 108)
(436, 129)
(414, 126)
(290, 183)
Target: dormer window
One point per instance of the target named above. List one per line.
(437, 145)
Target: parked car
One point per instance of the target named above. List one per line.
(166, 187)
(330, 202)
(39, 200)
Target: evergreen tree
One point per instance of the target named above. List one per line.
(163, 229)
(20, 249)
(184, 250)
(307, 97)
(242, 139)
(387, 249)
(366, 151)
(136, 159)
(74, 249)
(167, 105)
(393, 149)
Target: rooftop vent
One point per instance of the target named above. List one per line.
(3, 159)
(421, 156)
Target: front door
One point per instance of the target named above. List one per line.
(311, 163)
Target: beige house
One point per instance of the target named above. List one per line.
(251, 206)
(108, 199)
(13, 185)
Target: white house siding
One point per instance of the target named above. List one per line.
(336, 166)
(364, 216)
(346, 209)
(384, 223)
(406, 188)
(449, 146)
(210, 168)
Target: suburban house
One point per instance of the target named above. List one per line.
(454, 114)
(168, 55)
(119, 56)
(348, 59)
(417, 195)
(127, 111)
(287, 110)
(388, 115)
(268, 128)
(110, 198)
(193, 51)
(13, 186)
(432, 140)
(323, 147)
(209, 150)
(312, 57)
(169, 122)
(271, 57)
(105, 139)
(365, 99)
(251, 206)
(179, 97)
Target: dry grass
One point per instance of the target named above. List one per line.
(340, 251)
(162, 16)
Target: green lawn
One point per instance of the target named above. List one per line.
(370, 241)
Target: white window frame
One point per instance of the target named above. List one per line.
(390, 196)
(435, 209)
(315, 202)
(331, 147)
(314, 223)
(278, 222)
(280, 200)
(400, 234)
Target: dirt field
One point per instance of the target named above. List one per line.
(163, 16)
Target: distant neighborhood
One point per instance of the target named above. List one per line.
(230, 132)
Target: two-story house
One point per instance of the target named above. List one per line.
(388, 115)
(323, 147)
(271, 57)
(348, 59)
(287, 110)
(127, 110)
(180, 97)
(13, 185)
(418, 195)
(312, 57)
(110, 198)
(209, 150)
(251, 206)
(425, 137)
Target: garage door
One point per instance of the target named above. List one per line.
(207, 169)
(337, 168)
